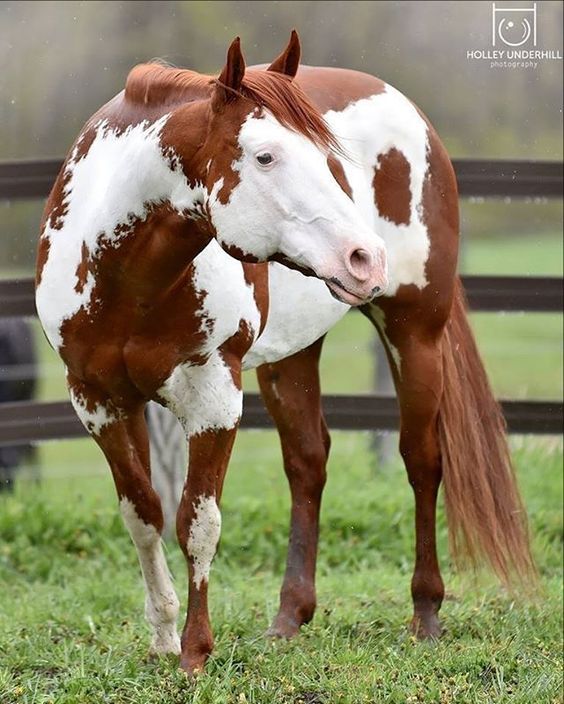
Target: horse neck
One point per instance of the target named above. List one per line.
(158, 253)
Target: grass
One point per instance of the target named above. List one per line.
(71, 613)
(71, 597)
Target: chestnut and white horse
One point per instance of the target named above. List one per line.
(150, 284)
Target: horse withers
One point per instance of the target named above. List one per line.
(151, 284)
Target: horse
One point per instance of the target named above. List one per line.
(205, 224)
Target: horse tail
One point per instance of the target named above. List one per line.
(485, 514)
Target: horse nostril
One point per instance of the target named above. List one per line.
(360, 257)
(376, 290)
(360, 264)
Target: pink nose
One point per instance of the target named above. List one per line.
(360, 264)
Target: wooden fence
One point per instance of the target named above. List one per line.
(30, 421)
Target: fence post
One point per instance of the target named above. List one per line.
(384, 442)
(169, 460)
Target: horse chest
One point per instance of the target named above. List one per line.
(301, 310)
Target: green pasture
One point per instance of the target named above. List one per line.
(71, 599)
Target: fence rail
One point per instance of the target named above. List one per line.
(30, 422)
(24, 421)
(485, 293)
(21, 180)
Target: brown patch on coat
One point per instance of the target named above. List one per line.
(336, 168)
(266, 90)
(82, 269)
(256, 276)
(392, 187)
(56, 207)
(332, 88)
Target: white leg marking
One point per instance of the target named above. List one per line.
(94, 420)
(203, 397)
(203, 537)
(161, 603)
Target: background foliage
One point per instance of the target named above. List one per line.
(62, 60)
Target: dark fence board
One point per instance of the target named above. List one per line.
(476, 177)
(485, 293)
(25, 421)
(504, 178)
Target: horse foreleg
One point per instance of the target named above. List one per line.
(208, 401)
(122, 435)
(198, 527)
(291, 391)
(416, 362)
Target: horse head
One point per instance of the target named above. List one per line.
(271, 192)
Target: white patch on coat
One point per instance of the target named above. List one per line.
(161, 603)
(293, 207)
(94, 420)
(203, 537)
(226, 297)
(301, 310)
(113, 185)
(368, 128)
(203, 397)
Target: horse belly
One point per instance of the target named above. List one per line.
(301, 310)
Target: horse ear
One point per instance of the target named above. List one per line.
(289, 60)
(229, 81)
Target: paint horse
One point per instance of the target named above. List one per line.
(152, 283)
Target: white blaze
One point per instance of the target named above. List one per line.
(293, 207)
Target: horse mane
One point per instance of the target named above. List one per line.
(158, 83)
(284, 98)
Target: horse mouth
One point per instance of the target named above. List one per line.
(343, 295)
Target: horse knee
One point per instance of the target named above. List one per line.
(306, 467)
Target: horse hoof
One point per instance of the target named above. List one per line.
(193, 665)
(165, 646)
(426, 627)
(283, 627)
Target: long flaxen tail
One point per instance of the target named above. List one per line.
(485, 514)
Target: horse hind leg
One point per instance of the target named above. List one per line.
(416, 364)
(291, 391)
(122, 435)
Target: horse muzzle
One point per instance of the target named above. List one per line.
(364, 277)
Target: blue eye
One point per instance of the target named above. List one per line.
(265, 159)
